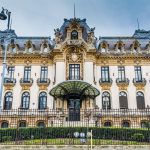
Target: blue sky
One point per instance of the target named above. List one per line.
(110, 17)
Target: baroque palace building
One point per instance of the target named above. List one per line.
(76, 71)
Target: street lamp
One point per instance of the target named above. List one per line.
(5, 14)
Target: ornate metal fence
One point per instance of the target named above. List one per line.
(59, 127)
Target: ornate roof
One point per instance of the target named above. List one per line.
(141, 36)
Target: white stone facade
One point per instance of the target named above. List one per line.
(93, 59)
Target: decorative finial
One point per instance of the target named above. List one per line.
(138, 24)
(74, 11)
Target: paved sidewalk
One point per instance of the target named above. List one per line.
(67, 147)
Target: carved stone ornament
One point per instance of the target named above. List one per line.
(58, 36)
(74, 57)
(106, 86)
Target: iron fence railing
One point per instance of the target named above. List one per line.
(59, 127)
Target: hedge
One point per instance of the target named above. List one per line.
(68, 132)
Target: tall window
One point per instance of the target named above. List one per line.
(140, 100)
(121, 73)
(25, 100)
(11, 71)
(74, 72)
(44, 73)
(42, 100)
(105, 74)
(138, 74)
(74, 35)
(8, 101)
(27, 73)
(106, 104)
(123, 100)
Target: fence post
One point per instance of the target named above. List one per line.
(91, 140)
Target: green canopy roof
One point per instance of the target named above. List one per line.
(76, 88)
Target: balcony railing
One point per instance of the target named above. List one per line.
(26, 81)
(141, 81)
(43, 81)
(122, 81)
(105, 81)
(74, 78)
(9, 81)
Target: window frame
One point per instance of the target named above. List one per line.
(8, 99)
(105, 74)
(27, 73)
(74, 71)
(121, 73)
(43, 73)
(42, 96)
(106, 95)
(25, 104)
(138, 73)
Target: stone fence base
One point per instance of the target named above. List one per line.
(70, 147)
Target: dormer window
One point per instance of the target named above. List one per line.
(74, 35)
(103, 50)
(13, 49)
(30, 50)
(119, 49)
(45, 50)
(135, 48)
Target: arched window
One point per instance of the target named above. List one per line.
(106, 104)
(125, 123)
(8, 101)
(123, 100)
(41, 124)
(22, 124)
(25, 100)
(43, 100)
(74, 35)
(140, 100)
(107, 124)
(145, 124)
(4, 124)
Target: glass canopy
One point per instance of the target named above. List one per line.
(74, 88)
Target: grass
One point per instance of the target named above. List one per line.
(74, 141)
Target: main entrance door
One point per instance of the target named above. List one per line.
(74, 109)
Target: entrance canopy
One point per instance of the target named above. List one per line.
(74, 88)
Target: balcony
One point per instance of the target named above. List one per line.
(9, 81)
(44, 81)
(122, 82)
(74, 78)
(139, 82)
(105, 82)
(26, 81)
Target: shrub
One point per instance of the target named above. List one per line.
(6, 138)
(123, 134)
(138, 137)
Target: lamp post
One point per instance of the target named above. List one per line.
(5, 14)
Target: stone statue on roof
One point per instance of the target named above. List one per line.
(91, 39)
(58, 36)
